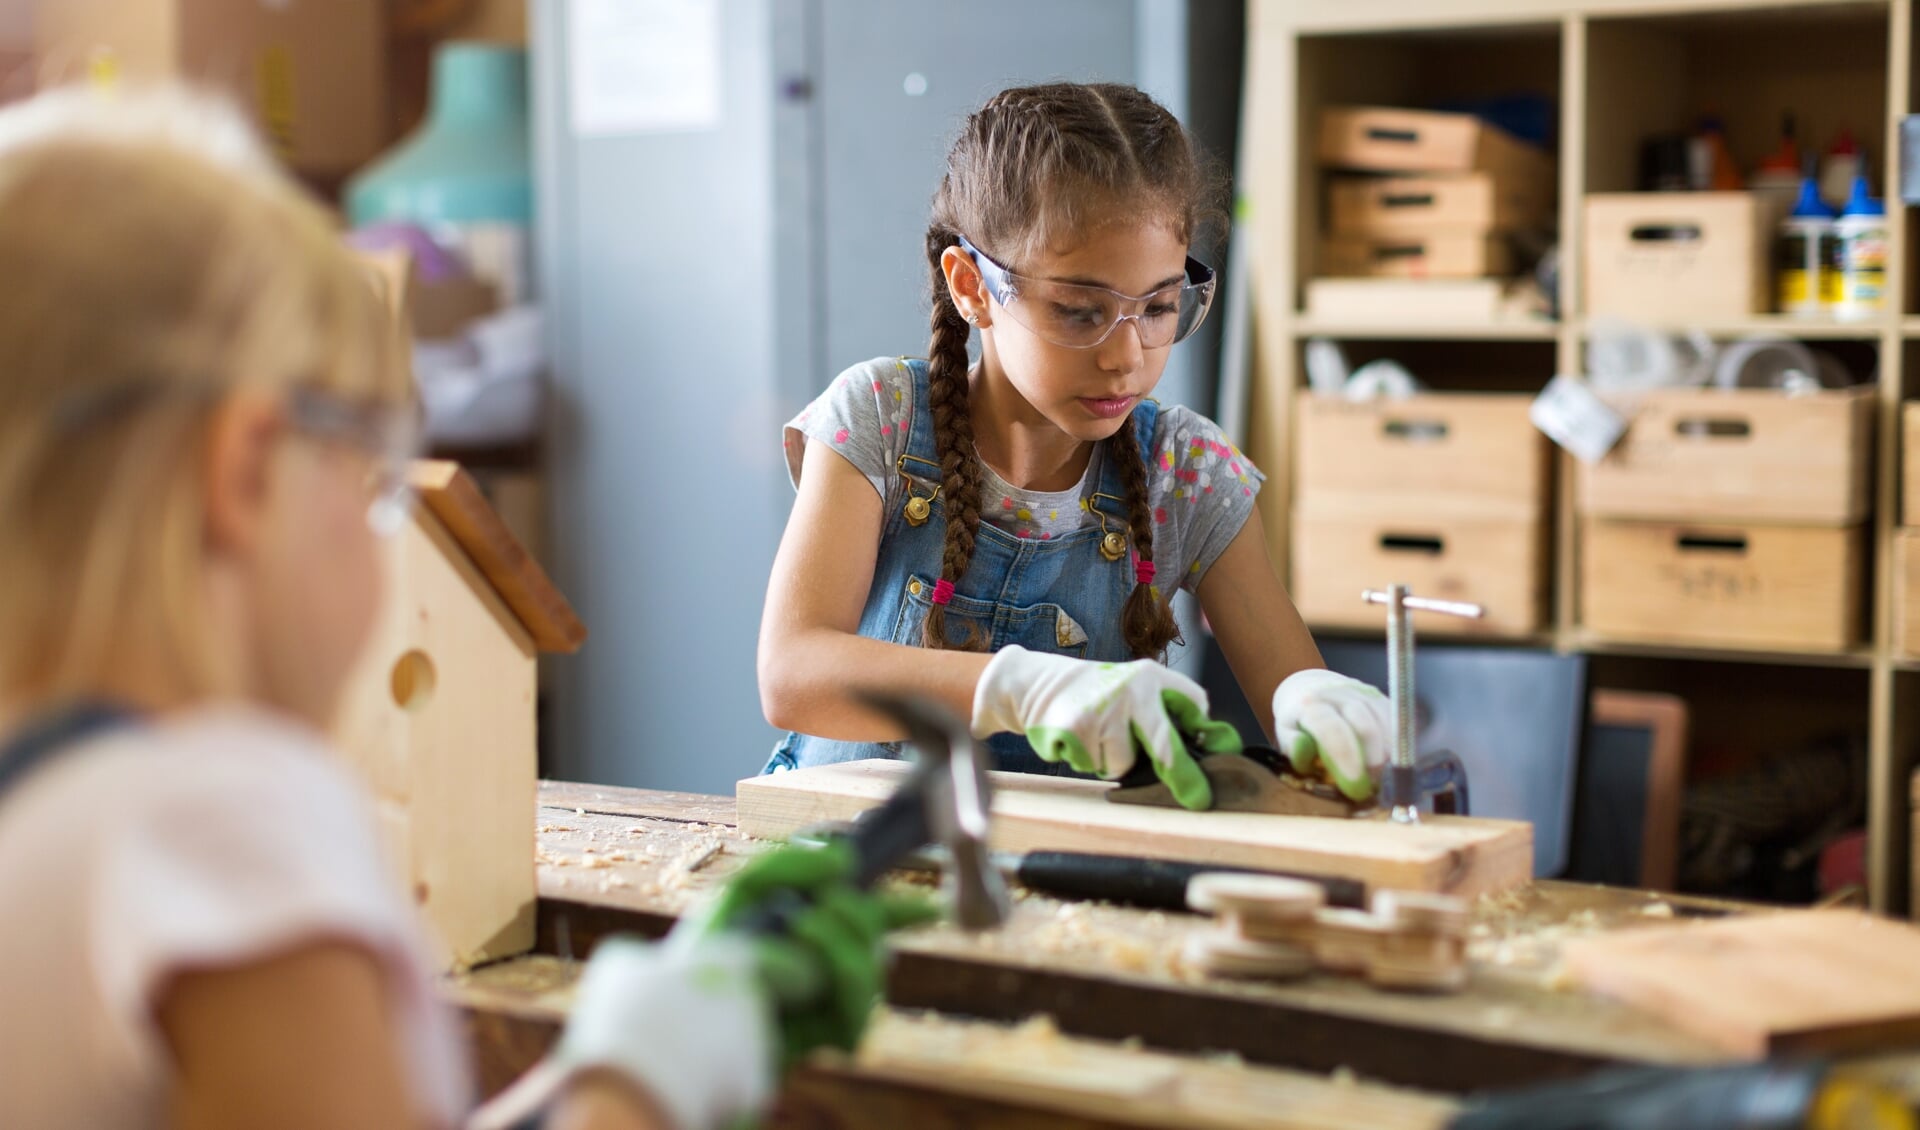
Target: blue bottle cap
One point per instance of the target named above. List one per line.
(1861, 203)
(1810, 206)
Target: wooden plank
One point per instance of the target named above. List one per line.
(1830, 980)
(1031, 813)
(935, 1071)
(453, 497)
(610, 800)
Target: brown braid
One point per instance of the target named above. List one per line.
(953, 438)
(1034, 168)
(1146, 620)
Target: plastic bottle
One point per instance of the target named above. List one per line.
(1860, 256)
(1838, 168)
(1804, 256)
(1778, 178)
(1710, 166)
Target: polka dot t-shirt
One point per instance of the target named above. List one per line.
(1200, 486)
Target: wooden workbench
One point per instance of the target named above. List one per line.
(1081, 1015)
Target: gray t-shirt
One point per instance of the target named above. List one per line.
(1200, 486)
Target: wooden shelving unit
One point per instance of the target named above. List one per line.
(1618, 70)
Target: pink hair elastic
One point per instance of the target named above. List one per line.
(1143, 572)
(942, 591)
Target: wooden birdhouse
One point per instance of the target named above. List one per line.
(440, 715)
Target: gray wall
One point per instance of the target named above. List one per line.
(706, 285)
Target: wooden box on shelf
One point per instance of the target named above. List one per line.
(1906, 595)
(1416, 256)
(1910, 463)
(1496, 562)
(1746, 454)
(1409, 141)
(1461, 454)
(1673, 256)
(1457, 202)
(1791, 588)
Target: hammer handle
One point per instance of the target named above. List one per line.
(1157, 884)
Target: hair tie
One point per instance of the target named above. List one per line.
(1143, 572)
(942, 591)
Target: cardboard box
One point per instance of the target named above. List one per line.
(1468, 203)
(1416, 256)
(1667, 257)
(1906, 593)
(1910, 464)
(1795, 588)
(1499, 563)
(1443, 454)
(1384, 139)
(1741, 454)
(312, 73)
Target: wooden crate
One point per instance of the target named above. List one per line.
(1906, 595)
(1671, 256)
(1787, 587)
(1496, 562)
(1444, 256)
(1742, 454)
(1910, 464)
(1420, 141)
(1460, 202)
(1460, 454)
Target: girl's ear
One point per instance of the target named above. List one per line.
(236, 469)
(967, 289)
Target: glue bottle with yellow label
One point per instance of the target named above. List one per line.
(1805, 255)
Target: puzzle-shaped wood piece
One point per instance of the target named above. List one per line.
(1275, 927)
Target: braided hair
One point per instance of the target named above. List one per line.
(1032, 167)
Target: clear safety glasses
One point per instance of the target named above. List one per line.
(1077, 316)
(391, 439)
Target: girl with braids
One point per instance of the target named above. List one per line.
(1005, 536)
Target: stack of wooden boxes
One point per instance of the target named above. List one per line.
(1906, 549)
(1731, 518)
(1446, 492)
(1455, 193)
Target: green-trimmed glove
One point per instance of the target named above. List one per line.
(1323, 718)
(705, 1022)
(1095, 716)
(826, 973)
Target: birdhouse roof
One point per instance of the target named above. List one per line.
(452, 496)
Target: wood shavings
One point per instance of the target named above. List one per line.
(553, 829)
(1657, 910)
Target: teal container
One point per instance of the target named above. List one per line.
(470, 162)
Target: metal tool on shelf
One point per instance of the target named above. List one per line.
(1407, 778)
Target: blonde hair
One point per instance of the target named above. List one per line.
(154, 261)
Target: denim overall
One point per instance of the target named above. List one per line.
(1059, 595)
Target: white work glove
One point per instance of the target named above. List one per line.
(689, 1025)
(1322, 718)
(1093, 716)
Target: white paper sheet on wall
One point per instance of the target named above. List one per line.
(644, 66)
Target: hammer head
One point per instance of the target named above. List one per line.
(950, 783)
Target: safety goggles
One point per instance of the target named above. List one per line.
(1078, 316)
(390, 438)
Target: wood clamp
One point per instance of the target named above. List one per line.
(1400, 792)
(1281, 928)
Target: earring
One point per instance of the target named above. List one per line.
(973, 319)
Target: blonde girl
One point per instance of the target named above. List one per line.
(1005, 536)
(202, 423)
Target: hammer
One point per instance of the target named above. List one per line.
(943, 801)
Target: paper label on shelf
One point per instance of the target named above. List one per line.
(644, 66)
(1576, 419)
